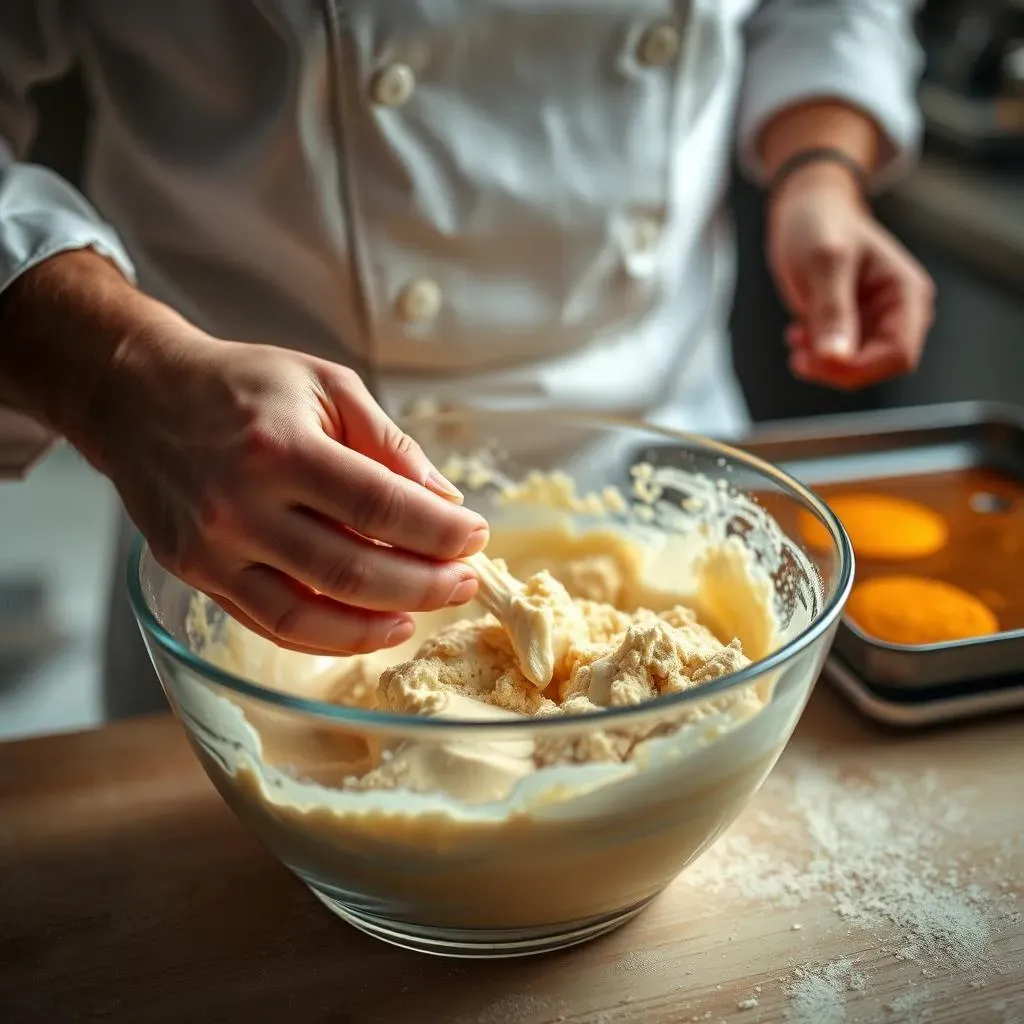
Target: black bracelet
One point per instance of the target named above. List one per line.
(817, 155)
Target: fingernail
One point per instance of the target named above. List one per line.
(836, 346)
(477, 541)
(399, 633)
(463, 592)
(444, 488)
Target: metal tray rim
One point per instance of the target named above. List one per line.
(917, 714)
(904, 665)
(888, 421)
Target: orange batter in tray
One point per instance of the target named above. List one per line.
(916, 610)
(882, 527)
(938, 554)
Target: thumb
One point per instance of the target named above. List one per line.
(831, 307)
(370, 431)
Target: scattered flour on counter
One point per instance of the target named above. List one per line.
(871, 846)
(908, 1008)
(816, 1001)
(819, 996)
(641, 962)
(513, 1009)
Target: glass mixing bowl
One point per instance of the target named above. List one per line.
(571, 847)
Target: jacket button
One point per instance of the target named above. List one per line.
(392, 86)
(419, 301)
(646, 234)
(659, 45)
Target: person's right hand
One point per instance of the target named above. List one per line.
(269, 480)
(273, 482)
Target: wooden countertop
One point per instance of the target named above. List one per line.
(128, 892)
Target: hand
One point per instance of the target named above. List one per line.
(273, 482)
(862, 305)
(270, 480)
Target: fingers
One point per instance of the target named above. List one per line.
(358, 492)
(830, 285)
(271, 605)
(238, 615)
(370, 431)
(807, 364)
(896, 309)
(873, 364)
(356, 572)
(905, 305)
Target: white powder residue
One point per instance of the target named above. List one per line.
(513, 1009)
(639, 962)
(819, 997)
(871, 845)
(908, 1008)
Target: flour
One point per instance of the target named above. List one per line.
(518, 1008)
(871, 847)
(908, 1007)
(878, 856)
(820, 997)
(640, 962)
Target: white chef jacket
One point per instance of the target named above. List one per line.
(507, 202)
(514, 202)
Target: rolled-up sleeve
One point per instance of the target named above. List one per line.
(862, 52)
(41, 214)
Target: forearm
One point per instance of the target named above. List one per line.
(825, 70)
(815, 125)
(62, 325)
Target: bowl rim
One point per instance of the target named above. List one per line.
(339, 714)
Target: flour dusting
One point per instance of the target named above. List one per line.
(518, 1008)
(871, 846)
(819, 997)
(909, 1008)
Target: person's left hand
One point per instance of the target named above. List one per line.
(861, 304)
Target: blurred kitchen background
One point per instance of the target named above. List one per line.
(961, 213)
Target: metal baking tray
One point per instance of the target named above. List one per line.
(902, 444)
(920, 708)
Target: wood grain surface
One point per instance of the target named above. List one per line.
(128, 892)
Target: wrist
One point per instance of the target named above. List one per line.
(63, 325)
(840, 179)
(827, 124)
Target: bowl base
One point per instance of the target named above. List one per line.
(482, 943)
